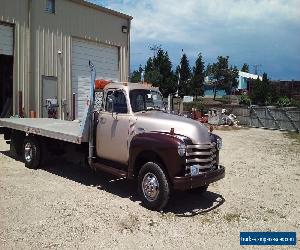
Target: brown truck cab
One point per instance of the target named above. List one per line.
(136, 138)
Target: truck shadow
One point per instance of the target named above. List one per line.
(181, 204)
(186, 204)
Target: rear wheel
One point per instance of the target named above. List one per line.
(31, 152)
(153, 186)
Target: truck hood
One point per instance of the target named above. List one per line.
(163, 122)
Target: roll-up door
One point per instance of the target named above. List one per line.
(106, 61)
(6, 40)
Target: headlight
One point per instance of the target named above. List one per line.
(181, 149)
(219, 143)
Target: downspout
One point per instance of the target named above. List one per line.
(128, 48)
(29, 64)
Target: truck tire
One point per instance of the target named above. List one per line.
(13, 150)
(199, 190)
(16, 142)
(153, 186)
(31, 152)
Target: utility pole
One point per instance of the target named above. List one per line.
(256, 68)
(179, 73)
(155, 48)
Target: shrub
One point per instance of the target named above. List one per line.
(195, 104)
(224, 99)
(295, 103)
(283, 101)
(244, 99)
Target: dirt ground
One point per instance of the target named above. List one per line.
(66, 206)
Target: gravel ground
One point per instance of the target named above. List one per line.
(65, 206)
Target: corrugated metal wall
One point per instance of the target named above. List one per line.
(50, 63)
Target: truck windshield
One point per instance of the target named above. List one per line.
(145, 99)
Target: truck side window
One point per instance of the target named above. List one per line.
(119, 99)
(120, 105)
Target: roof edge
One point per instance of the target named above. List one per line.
(103, 9)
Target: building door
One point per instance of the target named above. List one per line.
(50, 102)
(6, 70)
(106, 61)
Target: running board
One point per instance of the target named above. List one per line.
(110, 170)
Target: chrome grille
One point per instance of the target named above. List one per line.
(202, 155)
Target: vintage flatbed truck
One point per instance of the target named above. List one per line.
(130, 135)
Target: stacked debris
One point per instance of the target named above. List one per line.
(223, 118)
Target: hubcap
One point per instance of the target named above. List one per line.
(150, 187)
(28, 152)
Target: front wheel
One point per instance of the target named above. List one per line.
(153, 186)
(31, 152)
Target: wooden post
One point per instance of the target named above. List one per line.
(32, 114)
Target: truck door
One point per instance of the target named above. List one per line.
(113, 127)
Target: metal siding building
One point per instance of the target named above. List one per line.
(51, 51)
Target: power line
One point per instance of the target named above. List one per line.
(256, 68)
(155, 48)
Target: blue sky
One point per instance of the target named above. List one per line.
(265, 32)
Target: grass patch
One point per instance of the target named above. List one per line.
(293, 136)
(232, 217)
(206, 220)
(274, 212)
(131, 223)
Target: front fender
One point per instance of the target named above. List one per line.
(165, 146)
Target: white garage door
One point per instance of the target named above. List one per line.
(106, 61)
(6, 40)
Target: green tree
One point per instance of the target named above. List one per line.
(245, 68)
(152, 74)
(261, 92)
(158, 71)
(222, 76)
(136, 75)
(184, 73)
(163, 63)
(197, 82)
(149, 65)
(153, 77)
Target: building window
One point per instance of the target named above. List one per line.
(50, 6)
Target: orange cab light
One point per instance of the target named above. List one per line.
(101, 83)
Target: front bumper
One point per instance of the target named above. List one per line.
(190, 182)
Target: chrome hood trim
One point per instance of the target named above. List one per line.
(159, 121)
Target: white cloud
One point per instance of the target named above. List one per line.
(176, 21)
(263, 32)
